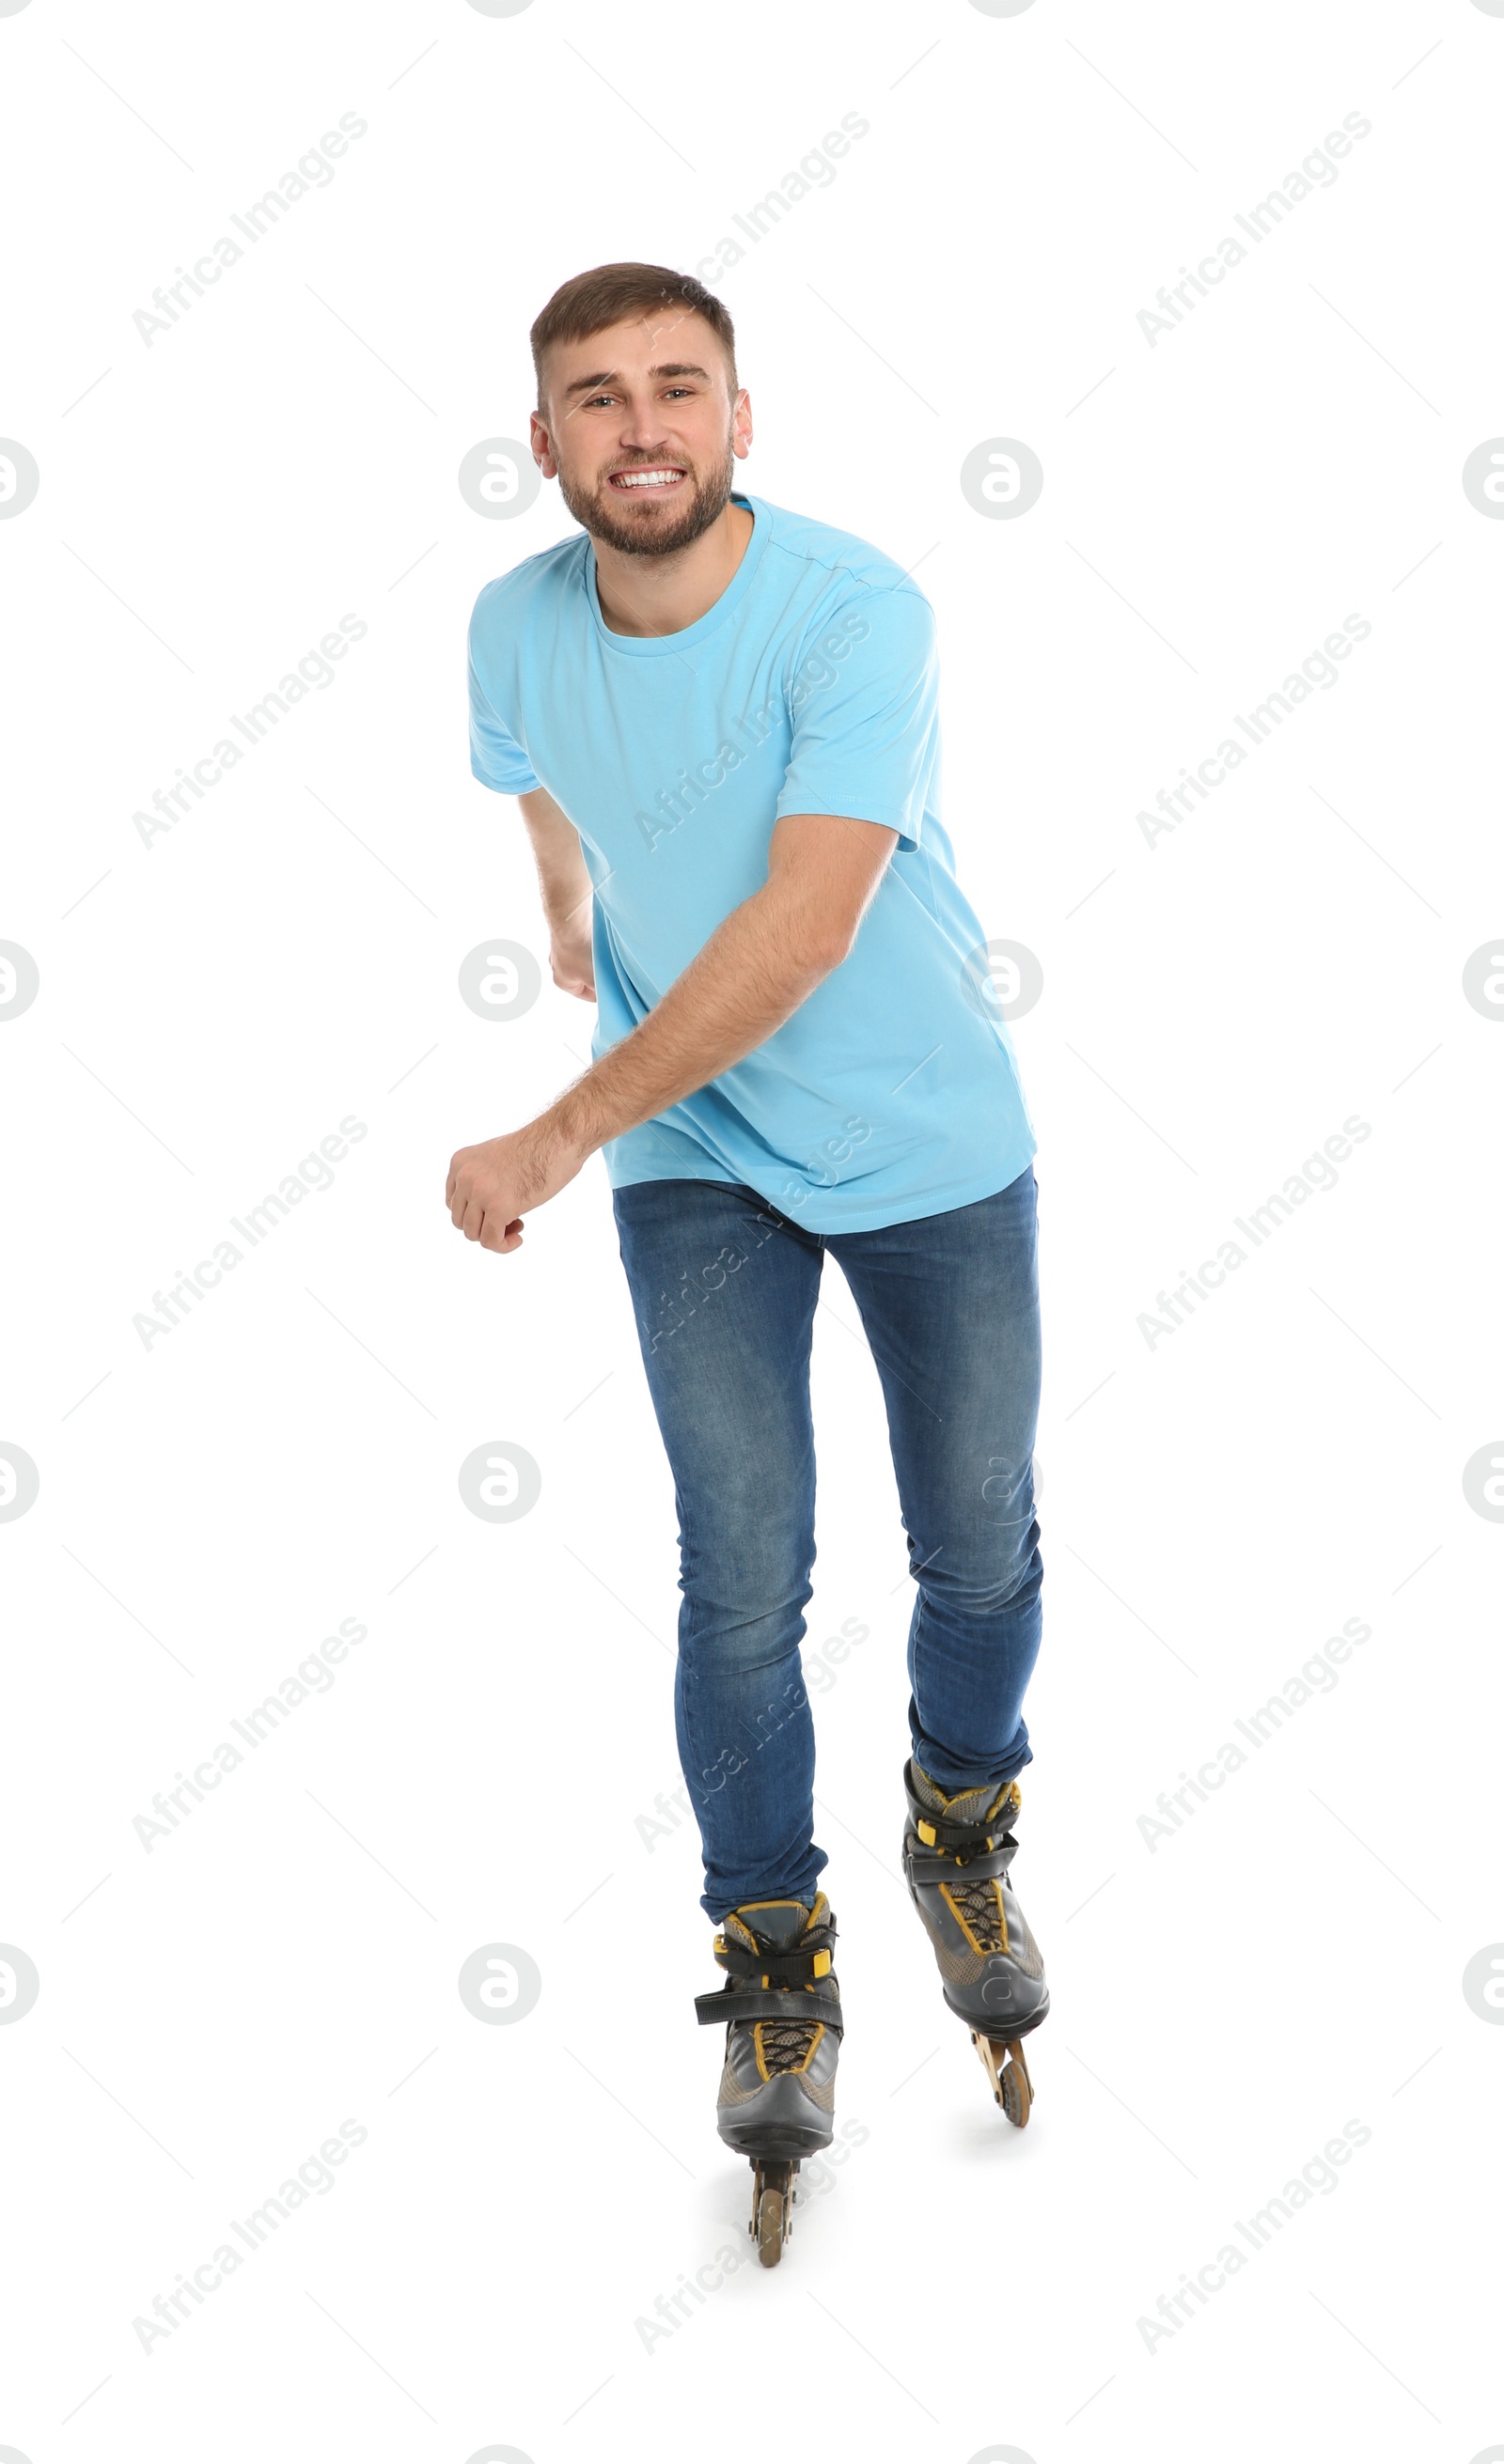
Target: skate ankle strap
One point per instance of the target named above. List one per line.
(801, 1965)
(934, 1832)
(767, 2002)
(944, 1831)
(939, 1827)
(978, 1864)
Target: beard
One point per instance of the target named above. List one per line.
(639, 531)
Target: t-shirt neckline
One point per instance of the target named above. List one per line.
(657, 645)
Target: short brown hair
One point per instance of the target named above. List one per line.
(588, 302)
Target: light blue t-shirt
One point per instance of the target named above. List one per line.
(811, 686)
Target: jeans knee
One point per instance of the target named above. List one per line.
(754, 1576)
(1008, 1577)
(740, 1640)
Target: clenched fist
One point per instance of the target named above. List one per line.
(491, 1187)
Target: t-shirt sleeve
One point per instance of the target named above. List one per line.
(495, 757)
(865, 704)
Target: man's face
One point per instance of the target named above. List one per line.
(642, 433)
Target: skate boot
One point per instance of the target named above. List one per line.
(956, 1851)
(782, 2009)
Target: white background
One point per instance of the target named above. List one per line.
(1214, 1006)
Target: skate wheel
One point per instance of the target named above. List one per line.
(772, 2226)
(1016, 2101)
(1016, 2089)
(1007, 2076)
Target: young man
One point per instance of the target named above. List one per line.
(720, 719)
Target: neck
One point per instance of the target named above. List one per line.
(664, 594)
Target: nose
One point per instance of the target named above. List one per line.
(640, 433)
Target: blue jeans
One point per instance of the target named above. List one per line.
(724, 1290)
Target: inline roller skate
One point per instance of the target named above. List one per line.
(782, 2006)
(956, 1851)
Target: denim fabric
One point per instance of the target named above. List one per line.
(724, 1290)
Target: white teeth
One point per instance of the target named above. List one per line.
(646, 478)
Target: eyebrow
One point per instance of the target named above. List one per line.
(609, 375)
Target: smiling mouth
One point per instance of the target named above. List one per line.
(657, 476)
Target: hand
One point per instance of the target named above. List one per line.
(491, 1187)
(571, 956)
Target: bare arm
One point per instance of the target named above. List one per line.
(565, 887)
(753, 972)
